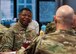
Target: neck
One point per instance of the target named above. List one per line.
(22, 25)
(63, 26)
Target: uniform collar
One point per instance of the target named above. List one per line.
(71, 32)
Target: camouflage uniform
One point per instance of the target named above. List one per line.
(50, 27)
(3, 29)
(15, 36)
(60, 42)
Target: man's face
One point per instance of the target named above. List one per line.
(25, 17)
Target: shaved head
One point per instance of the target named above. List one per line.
(64, 14)
(64, 10)
(64, 17)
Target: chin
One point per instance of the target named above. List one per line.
(25, 24)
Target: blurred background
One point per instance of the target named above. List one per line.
(43, 10)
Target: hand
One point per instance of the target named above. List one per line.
(8, 52)
(21, 51)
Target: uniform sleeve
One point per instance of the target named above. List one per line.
(6, 42)
(37, 28)
(34, 26)
(33, 47)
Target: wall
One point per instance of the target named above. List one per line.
(72, 3)
(5, 8)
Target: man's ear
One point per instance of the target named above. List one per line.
(55, 19)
